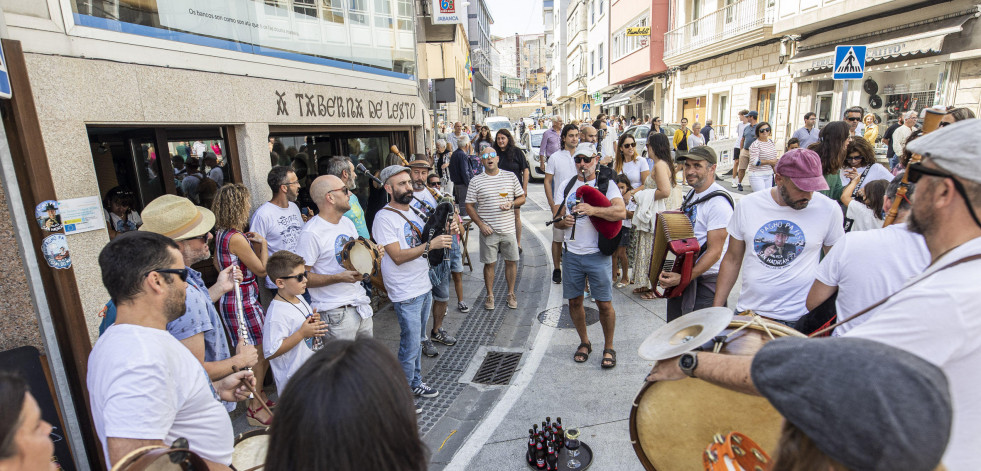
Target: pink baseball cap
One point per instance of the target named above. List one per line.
(803, 167)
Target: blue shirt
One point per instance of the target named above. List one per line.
(806, 137)
(199, 316)
(749, 135)
(356, 215)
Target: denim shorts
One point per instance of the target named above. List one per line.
(441, 291)
(599, 269)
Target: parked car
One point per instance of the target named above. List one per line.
(530, 144)
(498, 122)
(640, 132)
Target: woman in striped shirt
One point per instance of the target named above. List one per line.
(763, 158)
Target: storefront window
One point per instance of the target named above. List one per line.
(290, 29)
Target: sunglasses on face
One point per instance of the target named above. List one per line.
(854, 157)
(629, 144)
(488, 155)
(764, 130)
(342, 189)
(180, 272)
(853, 119)
(580, 159)
(434, 184)
(300, 277)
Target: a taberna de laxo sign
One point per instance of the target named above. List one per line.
(448, 12)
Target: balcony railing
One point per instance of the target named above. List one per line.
(730, 21)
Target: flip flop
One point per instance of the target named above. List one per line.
(621, 284)
(648, 295)
(642, 289)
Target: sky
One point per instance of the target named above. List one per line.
(515, 16)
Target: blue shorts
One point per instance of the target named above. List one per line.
(599, 269)
(441, 290)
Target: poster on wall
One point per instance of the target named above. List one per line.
(55, 250)
(48, 216)
(82, 214)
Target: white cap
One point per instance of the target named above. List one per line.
(585, 148)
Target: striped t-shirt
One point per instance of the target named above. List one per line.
(488, 193)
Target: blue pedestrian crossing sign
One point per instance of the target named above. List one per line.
(849, 63)
(585, 107)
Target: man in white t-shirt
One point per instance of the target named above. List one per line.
(145, 387)
(866, 266)
(709, 208)
(582, 257)
(934, 314)
(335, 291)
(491, 199)
(775, 239)
(405, 271)
(558, 169)
(902, 133)
(278, 220)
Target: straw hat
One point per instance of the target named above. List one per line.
(177, 218)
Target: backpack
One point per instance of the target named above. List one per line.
(603, 176)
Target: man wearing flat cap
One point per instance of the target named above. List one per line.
(419, 171)
(406, 273)
(776, 238)
(709, 208)
(934, 314)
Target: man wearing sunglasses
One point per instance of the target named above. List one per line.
(145, 387)
(335, 292)
(582, 257)
(200, 328)
(491, 199)
(853, 116)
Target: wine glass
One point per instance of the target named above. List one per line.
(572, 443)
(504, 197)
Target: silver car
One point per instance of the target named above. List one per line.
(640, 132)
(530, 143)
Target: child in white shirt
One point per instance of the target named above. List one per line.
(620, 256)
(292, 331)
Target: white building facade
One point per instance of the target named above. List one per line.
(598, 40)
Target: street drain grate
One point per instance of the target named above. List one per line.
(559, 317)
(497, 368)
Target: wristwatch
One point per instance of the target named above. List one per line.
(688, 362)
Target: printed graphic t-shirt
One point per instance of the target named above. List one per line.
(282, 320)
(321, 245)
(279, 226)
(410, 279)
(587, 239)
(783, 247)
(709, 215)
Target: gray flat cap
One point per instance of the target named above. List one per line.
(954, 148)
(870, 406)
(390, 171)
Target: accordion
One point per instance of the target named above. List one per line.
(675, 250)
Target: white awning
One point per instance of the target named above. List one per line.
(922, 39)
(626, 95)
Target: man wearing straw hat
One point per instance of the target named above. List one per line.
(199, 328)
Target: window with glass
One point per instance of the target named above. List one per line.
(353, 34)
(599, 56)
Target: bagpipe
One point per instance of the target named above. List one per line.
(593, 196)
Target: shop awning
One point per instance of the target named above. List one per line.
(626, 95)
(921, 39)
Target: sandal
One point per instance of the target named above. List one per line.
(581, 357)
(609, 362)
(250, 415)
(642, 289)
(648, 295)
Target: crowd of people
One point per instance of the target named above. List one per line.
(810, 235)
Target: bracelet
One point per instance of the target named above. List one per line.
(425, 252)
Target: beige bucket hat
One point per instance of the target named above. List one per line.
(177, 218)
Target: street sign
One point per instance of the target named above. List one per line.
(639, 31)
(849, 63)
(585, 107)
(5, 91)
(447, 12)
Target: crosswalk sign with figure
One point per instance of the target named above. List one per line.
(849, 62)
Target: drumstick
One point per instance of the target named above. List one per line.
(253, 391)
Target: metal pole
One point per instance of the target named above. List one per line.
(52, 349)
(844, 98)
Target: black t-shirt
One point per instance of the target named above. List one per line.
(888, 135)
(513, 161)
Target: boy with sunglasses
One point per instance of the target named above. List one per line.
(293, 330)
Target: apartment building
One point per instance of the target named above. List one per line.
(919, 54)
(571, 104)
(485, 95)
(598, 39)
(554, 13)
(110, 94)
(444, 56)
(635, 61)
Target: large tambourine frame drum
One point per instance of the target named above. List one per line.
(672, 422)
(161, 458)
(250, 450)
